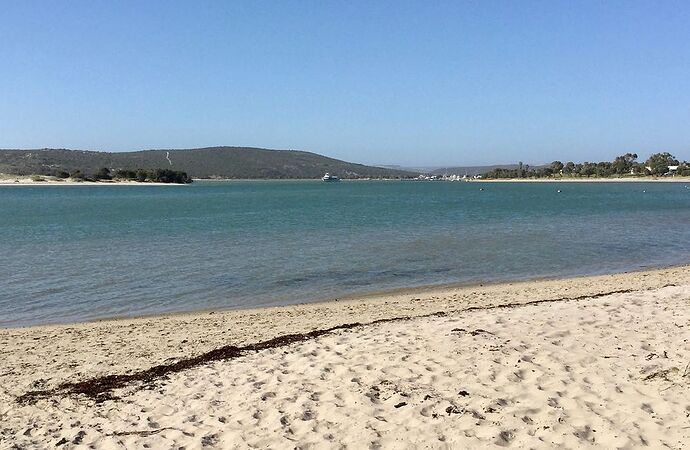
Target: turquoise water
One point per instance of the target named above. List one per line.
(79, 253)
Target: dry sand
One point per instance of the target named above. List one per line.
(594, 361)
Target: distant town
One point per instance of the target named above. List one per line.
(624, 166)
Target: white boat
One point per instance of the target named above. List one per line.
(330, 178)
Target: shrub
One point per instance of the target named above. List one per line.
(103, 174)
(125, 174)
(169, 176)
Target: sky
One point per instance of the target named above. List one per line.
(386, 82)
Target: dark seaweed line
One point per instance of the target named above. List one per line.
(101, 388)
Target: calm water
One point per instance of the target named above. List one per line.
(76, 253)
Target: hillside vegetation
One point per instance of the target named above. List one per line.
(213, 162)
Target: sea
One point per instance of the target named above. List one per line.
(80, 253)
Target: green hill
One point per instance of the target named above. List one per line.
(212, 162)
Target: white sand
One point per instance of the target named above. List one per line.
(45, 180)
(610, 372)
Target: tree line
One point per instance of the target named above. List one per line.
(625, 165)
(140, 175)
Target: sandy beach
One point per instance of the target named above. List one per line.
(45, 180)
(593, 361)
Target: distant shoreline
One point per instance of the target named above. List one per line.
(649, 179)
(481, 180)
(24, 180)
(587, 180)
(27, 180)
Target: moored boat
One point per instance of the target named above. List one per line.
(330, 178)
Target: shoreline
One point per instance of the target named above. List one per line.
(54, 183)
(204, 330)
(277, 372)
(354, 297)
(8, 180)
(650, 179)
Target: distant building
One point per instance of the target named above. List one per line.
(671, 169)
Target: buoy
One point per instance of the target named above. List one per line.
(559, 191)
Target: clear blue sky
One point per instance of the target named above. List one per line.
(412, 83)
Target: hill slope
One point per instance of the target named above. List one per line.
(212, 162)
